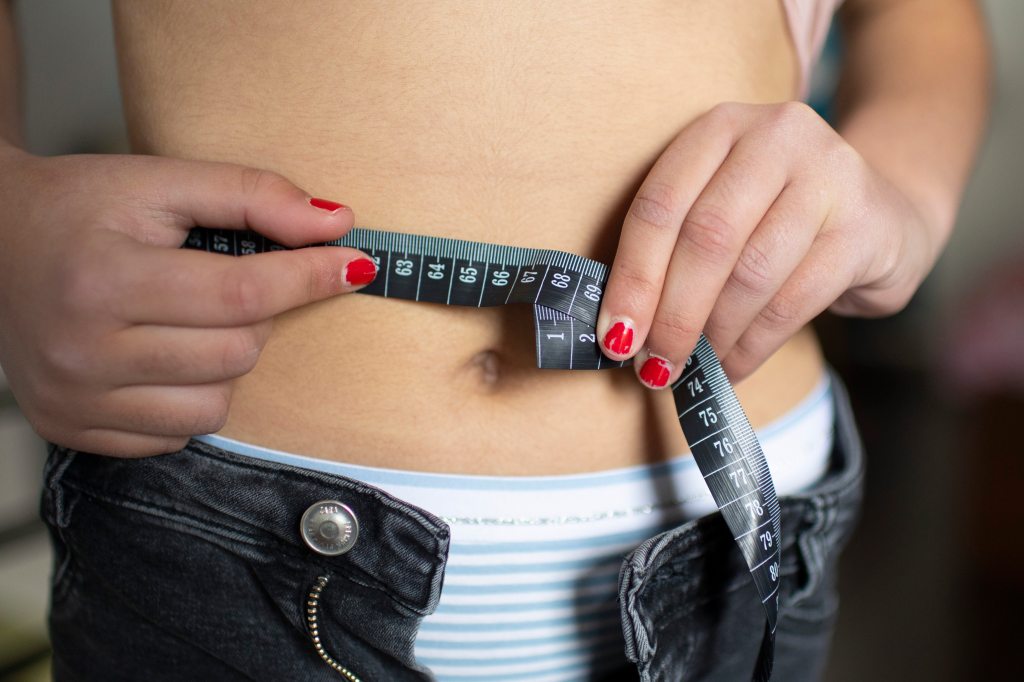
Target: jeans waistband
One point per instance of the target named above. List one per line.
(258, 505)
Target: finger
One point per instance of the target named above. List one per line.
(818, 281)
(148, 355)
(163, 411)
(769, 258)
(233, 196)
(651, 229)
(180, 287)
(712, 237)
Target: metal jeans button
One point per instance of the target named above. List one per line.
(330, 527)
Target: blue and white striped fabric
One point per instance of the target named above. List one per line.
(539, 610)
(530, 588)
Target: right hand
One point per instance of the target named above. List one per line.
(116, 341)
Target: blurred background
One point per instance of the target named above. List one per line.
(932, 584)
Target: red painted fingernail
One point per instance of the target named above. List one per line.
(655, 372)
(360, 271)
(619, 338)
(325, 204)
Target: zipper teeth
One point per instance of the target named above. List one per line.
(312, 606)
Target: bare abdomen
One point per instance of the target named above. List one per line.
(515, 123)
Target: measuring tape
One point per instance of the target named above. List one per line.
(565, 291)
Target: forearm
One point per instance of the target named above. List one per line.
(10, 93)
(913, 98)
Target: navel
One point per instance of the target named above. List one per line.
(486, 366)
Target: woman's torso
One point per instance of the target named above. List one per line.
(525, 123)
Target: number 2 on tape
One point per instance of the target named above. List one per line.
(565, 291)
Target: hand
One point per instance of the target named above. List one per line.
(115, 340)
(755, 219)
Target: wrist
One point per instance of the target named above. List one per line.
(901, 150)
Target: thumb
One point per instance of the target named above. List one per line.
(207, 194)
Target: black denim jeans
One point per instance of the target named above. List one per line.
(191, 566)
(689, 607)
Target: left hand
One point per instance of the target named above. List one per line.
(754, 220)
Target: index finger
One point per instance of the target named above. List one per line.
(196, 289)
(651, 229)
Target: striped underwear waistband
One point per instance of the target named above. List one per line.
(530, 585)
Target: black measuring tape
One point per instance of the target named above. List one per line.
(565, 291)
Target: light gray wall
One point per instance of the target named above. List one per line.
(72, 102)
(991, 223)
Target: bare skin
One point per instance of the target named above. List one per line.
(535, 124)
(497, 141)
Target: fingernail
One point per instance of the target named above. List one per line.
(655, 372)
(360, 271)
(325, 204)
(619, 339)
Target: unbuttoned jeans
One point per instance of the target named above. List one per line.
(191, 566)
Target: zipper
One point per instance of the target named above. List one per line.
(312, 607)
